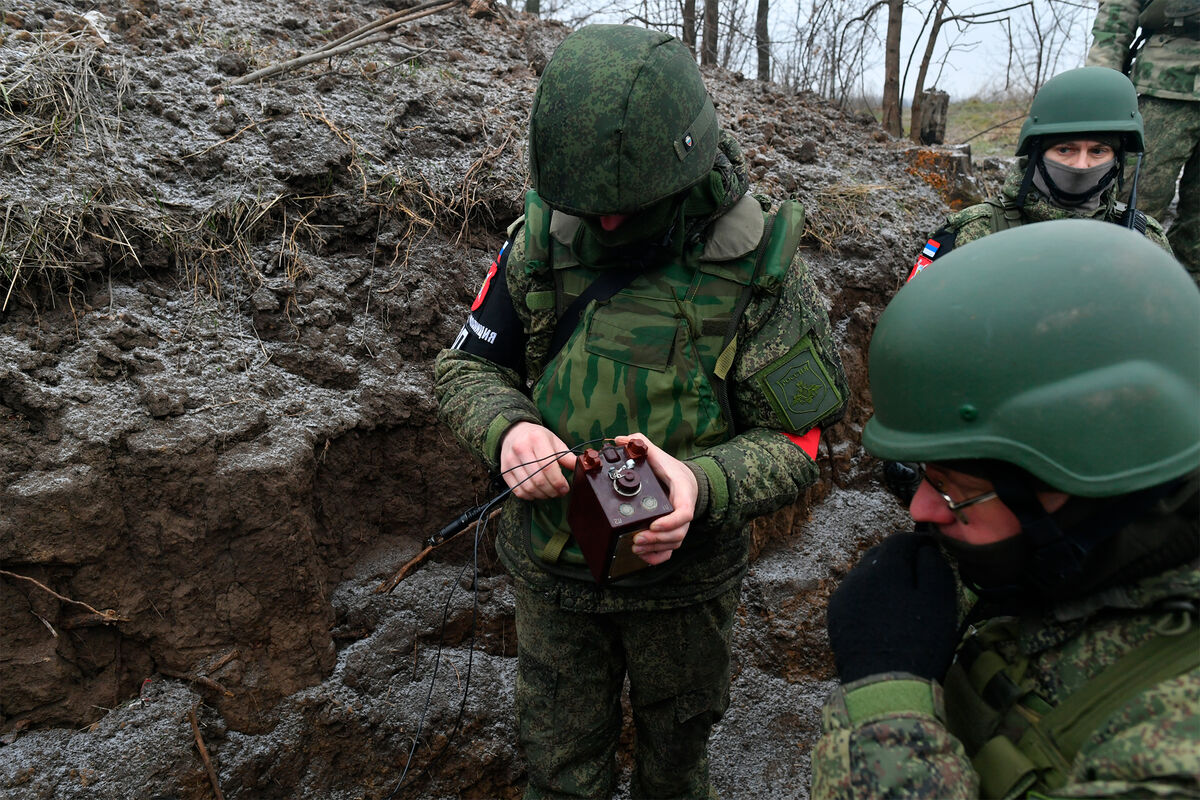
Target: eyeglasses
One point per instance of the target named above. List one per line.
(955, 507)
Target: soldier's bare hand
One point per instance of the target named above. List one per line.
(666, 533)
(530, 457)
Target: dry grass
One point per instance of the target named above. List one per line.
(51, 89)
(840, 210)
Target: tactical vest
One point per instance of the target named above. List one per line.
(1006, 214)
(1017, 741)
(651, 358)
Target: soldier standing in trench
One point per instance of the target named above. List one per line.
(1083, 126)
(1047, 380)
(644, 291)
(1164, 63)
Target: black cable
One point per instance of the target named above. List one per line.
(480, 528)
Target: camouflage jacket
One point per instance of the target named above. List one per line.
(983, 219)
(1166, 65)
(758, 470)
(895, 735)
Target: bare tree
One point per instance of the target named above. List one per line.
(762, 40)
(891, 70)
(914, 124)
(1041, 40)
(689, 25)
(708, 45)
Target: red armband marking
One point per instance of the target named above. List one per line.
(808, 442)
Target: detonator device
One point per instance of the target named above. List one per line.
(614, 496)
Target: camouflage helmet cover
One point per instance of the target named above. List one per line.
(1085, 100)
(620, 121)
(1069, 348)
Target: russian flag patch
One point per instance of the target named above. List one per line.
(931, 248)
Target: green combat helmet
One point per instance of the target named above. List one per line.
(1065, 355)
(1085, 100)
(621, 120)
(1070, 349)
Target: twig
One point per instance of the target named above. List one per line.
(107, 617)
(200, 679)
(212, 773)
(371, 33)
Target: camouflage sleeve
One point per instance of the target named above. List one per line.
(1149, 748)
(787, 381)
(481, 397)
(1112, 34)
(884, 737)
(1156, 234)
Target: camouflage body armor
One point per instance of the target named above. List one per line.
(1022, 740)
(658, 350)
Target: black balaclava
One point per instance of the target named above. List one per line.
(1087, 544)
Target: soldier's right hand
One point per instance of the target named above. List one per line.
(530, 457)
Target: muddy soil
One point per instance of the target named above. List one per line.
(218, 437)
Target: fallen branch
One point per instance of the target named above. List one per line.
(371, 33)
(212, 773)
(106, 617)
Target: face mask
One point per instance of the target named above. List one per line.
(1055, 180)
(997, 570)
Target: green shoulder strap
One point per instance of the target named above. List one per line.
(1048, 747)
(1005, 215)
(779, 243)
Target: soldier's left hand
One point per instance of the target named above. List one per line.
(666, 533)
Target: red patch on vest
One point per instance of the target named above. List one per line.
(808, 442)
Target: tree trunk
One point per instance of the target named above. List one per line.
(708, 48)
(929, 122)
(689, 25)
(762, 41)
(916, 124)
(533, 7)
(891, 70)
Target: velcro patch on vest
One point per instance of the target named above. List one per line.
(799, 388)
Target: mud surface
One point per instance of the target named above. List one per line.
(217, 431)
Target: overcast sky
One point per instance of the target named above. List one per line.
(978, 55)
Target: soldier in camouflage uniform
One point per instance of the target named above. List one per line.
(1082, 126)
(644, 291)
(1047, 379)
(1164, 63)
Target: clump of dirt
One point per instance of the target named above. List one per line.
(220, 305)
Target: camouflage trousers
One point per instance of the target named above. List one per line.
(571, 668)
(1172, 145)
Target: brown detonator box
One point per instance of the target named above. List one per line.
(614, 496)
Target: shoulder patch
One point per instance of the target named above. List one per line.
(798, 388)
(937, 245)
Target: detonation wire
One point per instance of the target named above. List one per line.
(481, 522)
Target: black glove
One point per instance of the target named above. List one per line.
(895, 611)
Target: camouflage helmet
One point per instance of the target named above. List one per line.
(1085, 100)
(621, 120)
(1070, 349)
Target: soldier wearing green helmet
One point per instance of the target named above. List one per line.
(1047, 381)
(644, 294)
(1083, 126)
